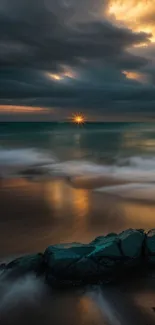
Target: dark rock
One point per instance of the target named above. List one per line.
(103, 260)
(69, 265)
(132, 242)
(2, 266)
(150, 246)
(62, 260)
(102, 239)
(82, 263)
(26, 264)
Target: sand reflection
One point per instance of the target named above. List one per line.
(138, 215)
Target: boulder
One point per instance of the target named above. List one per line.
(2, 266)
(150, 246)
(131, 243)
(107, 257)
(83, 263)
(26, 264)
(62, 262)
(102, 239)
(104, 258)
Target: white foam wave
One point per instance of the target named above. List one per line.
(138, 174)
(78, 168)
(134, 169)
(132, 191)
(14, 160)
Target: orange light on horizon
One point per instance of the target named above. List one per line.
(22, 109)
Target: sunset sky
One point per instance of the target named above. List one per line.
(59, 57)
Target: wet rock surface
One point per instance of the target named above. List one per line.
(103, 260)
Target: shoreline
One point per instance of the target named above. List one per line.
(36, 215)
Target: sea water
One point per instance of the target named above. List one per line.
(61, 182)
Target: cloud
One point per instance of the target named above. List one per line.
(69, 54)
(136, 14)
(32, 36)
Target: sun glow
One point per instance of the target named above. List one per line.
(78, 119)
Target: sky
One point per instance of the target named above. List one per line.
(61, 57)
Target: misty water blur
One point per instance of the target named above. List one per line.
(62, 184)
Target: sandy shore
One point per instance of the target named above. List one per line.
(35, 215)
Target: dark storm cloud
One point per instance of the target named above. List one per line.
(40, 36)
(33, 36)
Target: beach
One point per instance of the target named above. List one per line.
(37, 214)
(63, 184)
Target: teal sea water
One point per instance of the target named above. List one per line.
(121, 150)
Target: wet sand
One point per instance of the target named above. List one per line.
(35, 215)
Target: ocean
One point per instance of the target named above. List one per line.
(124, 152)
(60, 183)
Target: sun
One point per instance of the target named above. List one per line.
(78, 119)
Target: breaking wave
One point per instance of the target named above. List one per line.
(137, 173)
(131, 169)
(12, 161)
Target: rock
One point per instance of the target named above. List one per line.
(2, 266)
(68, 265)
(85, 263)
(102, 260)
(107, 257)
(61, 261)
(150, 246)
(131, 242)
(26, 264)
(102, 239)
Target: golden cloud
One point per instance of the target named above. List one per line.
(67, 72)
(139, 15)
(141, 77)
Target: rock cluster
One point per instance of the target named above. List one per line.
(103, 260)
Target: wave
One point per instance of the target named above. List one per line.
(35, 163)
(130, 169)
(131, 178)
(133, 191)
(12, 161)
